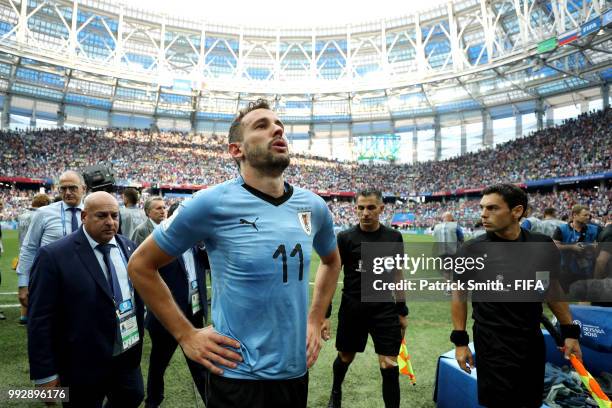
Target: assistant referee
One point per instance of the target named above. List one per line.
(385, 322)
(507, 337)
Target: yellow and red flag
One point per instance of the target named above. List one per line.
(591, 385)
(403, 361)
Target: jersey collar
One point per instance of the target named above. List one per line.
(268, 198)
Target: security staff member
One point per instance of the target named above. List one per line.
(576, 241)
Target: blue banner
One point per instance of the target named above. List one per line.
(566, 180)
(590, 27)
(543, 182)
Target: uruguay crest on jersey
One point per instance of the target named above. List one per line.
(305, 221)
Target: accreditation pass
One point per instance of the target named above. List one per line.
(128, 325)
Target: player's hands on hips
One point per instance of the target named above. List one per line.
(326, 330)
(208, 348)
(313, 341)
(464, 357)
(572, 346)
(404, 324)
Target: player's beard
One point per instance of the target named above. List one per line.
(262, 158)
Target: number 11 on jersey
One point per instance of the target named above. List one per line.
(297, 250)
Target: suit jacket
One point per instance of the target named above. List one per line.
(175, 276)
(142, 231)
(72, 322)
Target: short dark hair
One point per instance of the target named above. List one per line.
(512, 195)
(235, 130)
(173, 208)
(368, 193)
(130, 195)
(550, 212)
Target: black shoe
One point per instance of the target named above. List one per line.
(2, 317)
(335, 400)
(23, 321)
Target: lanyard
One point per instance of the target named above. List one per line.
(63, 217)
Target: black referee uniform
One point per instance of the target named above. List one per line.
(509, 345)
(356, 319)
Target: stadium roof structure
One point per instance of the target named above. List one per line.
(488, 57)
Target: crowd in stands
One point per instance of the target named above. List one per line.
(579, 146)
(15, 202)
(467, 211)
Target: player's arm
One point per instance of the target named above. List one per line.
(204, 346)
(325, 286)
(326, 328)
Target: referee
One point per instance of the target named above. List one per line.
(507, 337)
(385, 322)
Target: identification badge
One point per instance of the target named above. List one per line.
(125, 306)
(196, 305)
(128, 325)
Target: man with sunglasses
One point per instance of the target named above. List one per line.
(49, 224)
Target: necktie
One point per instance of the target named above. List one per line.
(75, 222)
(113, 281)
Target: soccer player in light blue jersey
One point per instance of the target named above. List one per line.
(259, 232)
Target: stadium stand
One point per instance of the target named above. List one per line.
(578, 147)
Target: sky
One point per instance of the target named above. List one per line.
(285, 13)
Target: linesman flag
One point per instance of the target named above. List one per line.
(403, 361)
(591, 385)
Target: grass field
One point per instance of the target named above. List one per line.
(427, 337)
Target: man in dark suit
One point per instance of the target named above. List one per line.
(155, 210)
(85, 322)
(186, 279)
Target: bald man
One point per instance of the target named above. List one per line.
(85, 323)
(49, 224)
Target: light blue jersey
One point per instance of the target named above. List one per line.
(259, 250)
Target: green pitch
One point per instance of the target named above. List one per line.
(427, 337)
